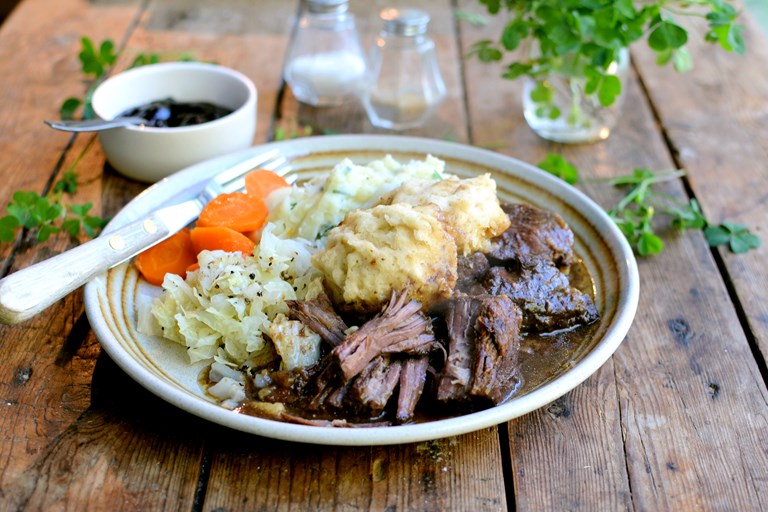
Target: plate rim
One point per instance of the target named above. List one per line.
(177, 186)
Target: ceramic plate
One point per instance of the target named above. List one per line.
(161, 366)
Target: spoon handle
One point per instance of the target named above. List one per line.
(94, 125)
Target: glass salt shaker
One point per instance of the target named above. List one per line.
(326, 63)
(404, 84)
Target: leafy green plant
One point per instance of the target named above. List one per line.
(560, 167)
(293, 130)
(49, 215)
(641, 205)
(96, 61)
(582, 38)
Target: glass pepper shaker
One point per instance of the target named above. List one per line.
(404, 84)
(326, 63)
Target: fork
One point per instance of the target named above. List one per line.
(29, 291)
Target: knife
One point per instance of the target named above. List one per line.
(29, 291)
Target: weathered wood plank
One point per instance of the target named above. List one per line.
(715, 116)
(463, 473)
(128, 451)
(58, 453)
(47, 362)
(458, 473)
(581, 432)
(568, 455)
(711, 117)
(675, 428)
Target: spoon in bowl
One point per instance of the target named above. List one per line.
(95, 125)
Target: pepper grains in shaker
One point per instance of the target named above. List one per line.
(326, 64)
(404, 84)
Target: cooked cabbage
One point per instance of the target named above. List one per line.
(295, 343)
(224, 309)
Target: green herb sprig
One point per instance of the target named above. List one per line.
(641, 205)
(49, 215)
(582, 38)
(97, 60)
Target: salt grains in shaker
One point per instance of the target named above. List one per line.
(404, 84)
(326, 65)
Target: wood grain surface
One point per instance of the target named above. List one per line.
(675, 420)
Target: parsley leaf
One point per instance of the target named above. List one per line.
(47, 215)
(560, 167)
(736, 236)
(581, 39)
(641, 204)
(96, 63)
(8, 225)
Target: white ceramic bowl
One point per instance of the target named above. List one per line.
(150, 154)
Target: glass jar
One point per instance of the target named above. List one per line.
(326, 63)
(558, 107)
(404, 84)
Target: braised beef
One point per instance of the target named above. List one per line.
(455, 378)
(361, 374)
(318, 314)
(495, 372)
(422, 344)
(336, 397)
(374, 386)
(401, 320)
(470, 270)
(413, 376)
(533, 234)
(544, 293)
(483, 347)
(464, 358)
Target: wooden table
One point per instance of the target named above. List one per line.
(677, 419)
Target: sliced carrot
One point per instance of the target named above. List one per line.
(260, 183)
(220, 238)
(171, 256)
(254, 235)
(237, 211)
(193, 267)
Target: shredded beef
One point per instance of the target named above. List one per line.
(374, 386)
(362, 373)
(401, 320)
(483, 347)
(497, 345)
(413, 376)
(459, 319)
(318, 314)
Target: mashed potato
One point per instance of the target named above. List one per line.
(310, 211)
(384, 248)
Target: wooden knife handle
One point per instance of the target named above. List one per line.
(29, 291)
